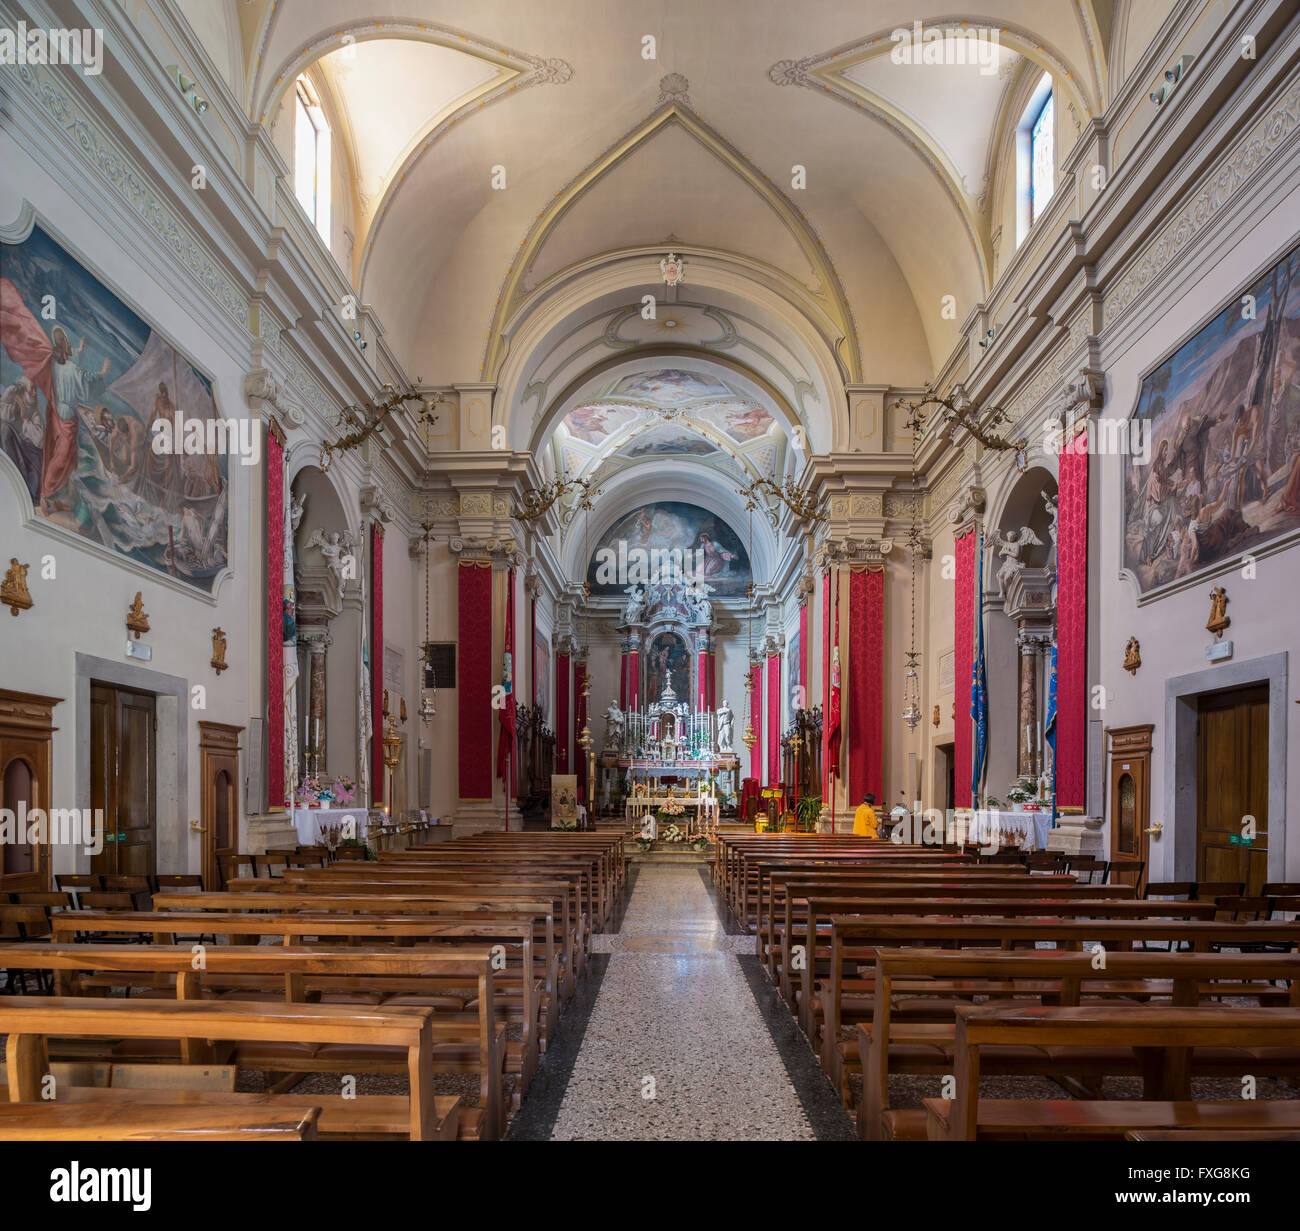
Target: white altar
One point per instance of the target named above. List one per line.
(991, 828)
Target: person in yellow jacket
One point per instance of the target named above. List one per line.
(865, 824)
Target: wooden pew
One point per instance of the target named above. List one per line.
(1162, 1033)
(30, 1021)
(59, 1121)
(921, 1039)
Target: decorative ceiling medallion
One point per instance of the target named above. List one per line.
(674, 88)
(672, 269)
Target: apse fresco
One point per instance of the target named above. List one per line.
(705, 540)
(1223, 414)
(667, 442)
(82, 381)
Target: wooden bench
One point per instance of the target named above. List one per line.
(30, 1021)
(1163, 1034)
(58, 1121)
(915, 991)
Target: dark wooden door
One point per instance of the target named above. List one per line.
(219, 779)
(123, 778)
(1232, 784)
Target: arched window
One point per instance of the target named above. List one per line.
(1035, 157)
(311, 155)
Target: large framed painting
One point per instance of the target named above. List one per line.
(667, 660)
(794, 687)
(83, 379)
(651, 537)
(542, 674)
(1218, 472)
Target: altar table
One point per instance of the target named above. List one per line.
(309, 822)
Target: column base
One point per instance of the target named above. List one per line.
(477, 815)
(1076, 835)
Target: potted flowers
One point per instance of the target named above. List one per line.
(345, 789)
(1021, 793)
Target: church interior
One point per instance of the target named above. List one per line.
(659, 572)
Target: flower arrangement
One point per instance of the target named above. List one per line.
(1022, 791)
(309, 790)
(671, 833)
(699, 842)
(671, 807)
(345, 789)
(644, 843)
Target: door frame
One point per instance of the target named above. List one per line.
(1180, 747)
(173, 847)
(218, 743)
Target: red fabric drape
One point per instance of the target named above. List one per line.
(474, 687)
(634, 679)
(1072, 626)
(712, 681)
(963, 663)
(579, 721)
(562, 732)
(378, 771)
(702, 680)
(826, 687)
(756, 753)
(622, 679)
(866, 703)
(276, 789)
(773, 718)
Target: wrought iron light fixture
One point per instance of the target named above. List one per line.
(365, 419)
(959, 411)
(801, 504)
(534, 503)
(429, 702)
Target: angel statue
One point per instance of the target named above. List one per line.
(1010, 544)
(1050, 502)
(613, 725)
(726, 726)
(335, 547)
(635, 608)
(699, 601)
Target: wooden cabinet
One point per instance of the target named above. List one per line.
(26, 772)
(1130, 798)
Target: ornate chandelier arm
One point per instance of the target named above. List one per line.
(367, 418)
(536, 502)
(802, 504)
(961, 412)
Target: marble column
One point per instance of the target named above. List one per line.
(317, 641)
(1027, 724)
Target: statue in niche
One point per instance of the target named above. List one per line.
(336, 547)
(1050, 503)
(1010, 544)
(635, 607)
(613, 725)
(726, 727)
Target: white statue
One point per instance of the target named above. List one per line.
(726, 727)
(1010, 544)
(613, 726)
(1052, 512)
(635, 605)
(699, 597)
(297, 507)
(335, 547)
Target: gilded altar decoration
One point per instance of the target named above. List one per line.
(935, 718)
(137, 619)
(1219, 618)
(13, 590)
(218, 663)
(1132, 656)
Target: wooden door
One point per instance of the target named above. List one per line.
(1232, 785)
(26, 771)
(1130, 801)
(123, 778)
(219, 785)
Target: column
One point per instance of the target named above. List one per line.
(774, 715)
(1027, 719)
(712, 677)
(563, 732)
(702, 671)
(964, 662)
(276, 787)
(378, 770)
(316, 641)
(474, 713)
(634, 671)
(622, 672)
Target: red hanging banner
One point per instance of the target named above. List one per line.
(1072, 626)
(474, 685)
(276, 788)
(773, 718)
(377, 767)
(562, 732)
(756, 753)
(963, 666)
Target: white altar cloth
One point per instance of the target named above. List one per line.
(309, 822)
(1029, 828)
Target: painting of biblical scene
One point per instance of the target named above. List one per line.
(667, 442)
(82, 380)
(742, 421)
(1223, 414)
(714, 549)
(593, 424)
(669, 387)
(667, 657)
(542, 675)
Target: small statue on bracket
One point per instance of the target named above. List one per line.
(137, 619)
(1132, 656)
(218, 663)
(1219, 618)
(13, 589)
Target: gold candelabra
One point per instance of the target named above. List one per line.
(536, 502)
(802, 504)
(366, 418)
(959, 411)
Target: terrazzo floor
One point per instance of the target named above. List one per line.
(677, 1046)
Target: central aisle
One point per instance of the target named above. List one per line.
(675, 1019)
